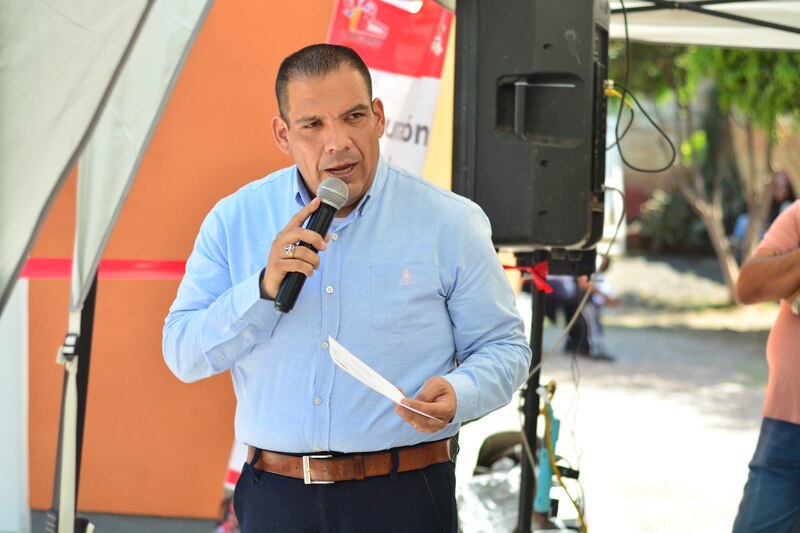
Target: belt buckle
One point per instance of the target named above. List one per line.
(307, 470)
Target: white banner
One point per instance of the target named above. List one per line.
(409, 104)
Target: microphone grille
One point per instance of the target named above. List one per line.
(333, 192)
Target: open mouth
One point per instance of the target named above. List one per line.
(341, 170)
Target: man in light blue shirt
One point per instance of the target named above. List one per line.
(407, 280)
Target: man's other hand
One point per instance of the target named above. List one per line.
(437, 398)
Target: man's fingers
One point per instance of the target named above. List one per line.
(433, 389)
(417, 421)
(420, 422)
(300, 217)
(311, 237)
(437, 399)
(429, 408)
(295, 235)
(296, 265)
(301, 253)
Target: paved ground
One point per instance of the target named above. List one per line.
(663, 435)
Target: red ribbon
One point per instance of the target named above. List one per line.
(539, 274)
(61, 268)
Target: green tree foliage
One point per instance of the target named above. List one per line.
(755, 87)
(762, 85)
(759, 85)
(657, 72)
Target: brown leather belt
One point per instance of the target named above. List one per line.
(321, 468)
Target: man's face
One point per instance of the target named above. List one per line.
(332, 130)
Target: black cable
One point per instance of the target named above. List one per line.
(674, 153)
(619, 136)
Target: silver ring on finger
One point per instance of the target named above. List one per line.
(289, 251)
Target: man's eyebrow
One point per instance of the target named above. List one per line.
(303, 120)
(359, 107)
(314, 118)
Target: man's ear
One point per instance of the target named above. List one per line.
(281, 132)
(380, 117)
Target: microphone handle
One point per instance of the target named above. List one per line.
(293, 282)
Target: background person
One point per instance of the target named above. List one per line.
(588, 337)
(781, 195)
(771, 499)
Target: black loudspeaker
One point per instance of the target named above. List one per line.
(530, 118)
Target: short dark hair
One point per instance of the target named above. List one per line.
(313, 61)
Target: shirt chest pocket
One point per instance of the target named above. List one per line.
(404, 297)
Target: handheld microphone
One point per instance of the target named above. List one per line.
(333, 195)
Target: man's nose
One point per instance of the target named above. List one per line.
(337, 138)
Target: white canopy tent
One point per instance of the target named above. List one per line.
(755, 24)
(51, 96)
(764, 24)
(100, 98)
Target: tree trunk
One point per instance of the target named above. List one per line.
(710, 214)
(706, 202)
(751, 148)
(725, 257)
(785, 153)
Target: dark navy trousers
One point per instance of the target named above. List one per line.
(418, 501)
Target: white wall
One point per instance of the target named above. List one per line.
(14, 511)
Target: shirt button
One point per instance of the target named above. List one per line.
(324, 345)
(329, 289)
(335, 236)
(317, 400)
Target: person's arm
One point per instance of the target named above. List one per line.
(584, 284)
(491, 347)
(774, 270)
(213, 321)
(769, 275)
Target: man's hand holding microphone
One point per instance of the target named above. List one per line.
(294, 255)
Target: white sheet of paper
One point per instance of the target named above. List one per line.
(366, 375)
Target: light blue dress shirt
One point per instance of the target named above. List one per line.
(410, 283)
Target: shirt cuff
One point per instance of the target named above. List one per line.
(252, 308)
(466, 397)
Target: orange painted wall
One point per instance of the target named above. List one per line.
(153, 445)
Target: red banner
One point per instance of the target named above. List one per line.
(391, 38)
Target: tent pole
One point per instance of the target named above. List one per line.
(82, 354)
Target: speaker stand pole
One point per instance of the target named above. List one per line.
(530, 406)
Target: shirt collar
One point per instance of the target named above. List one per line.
(302, 197)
